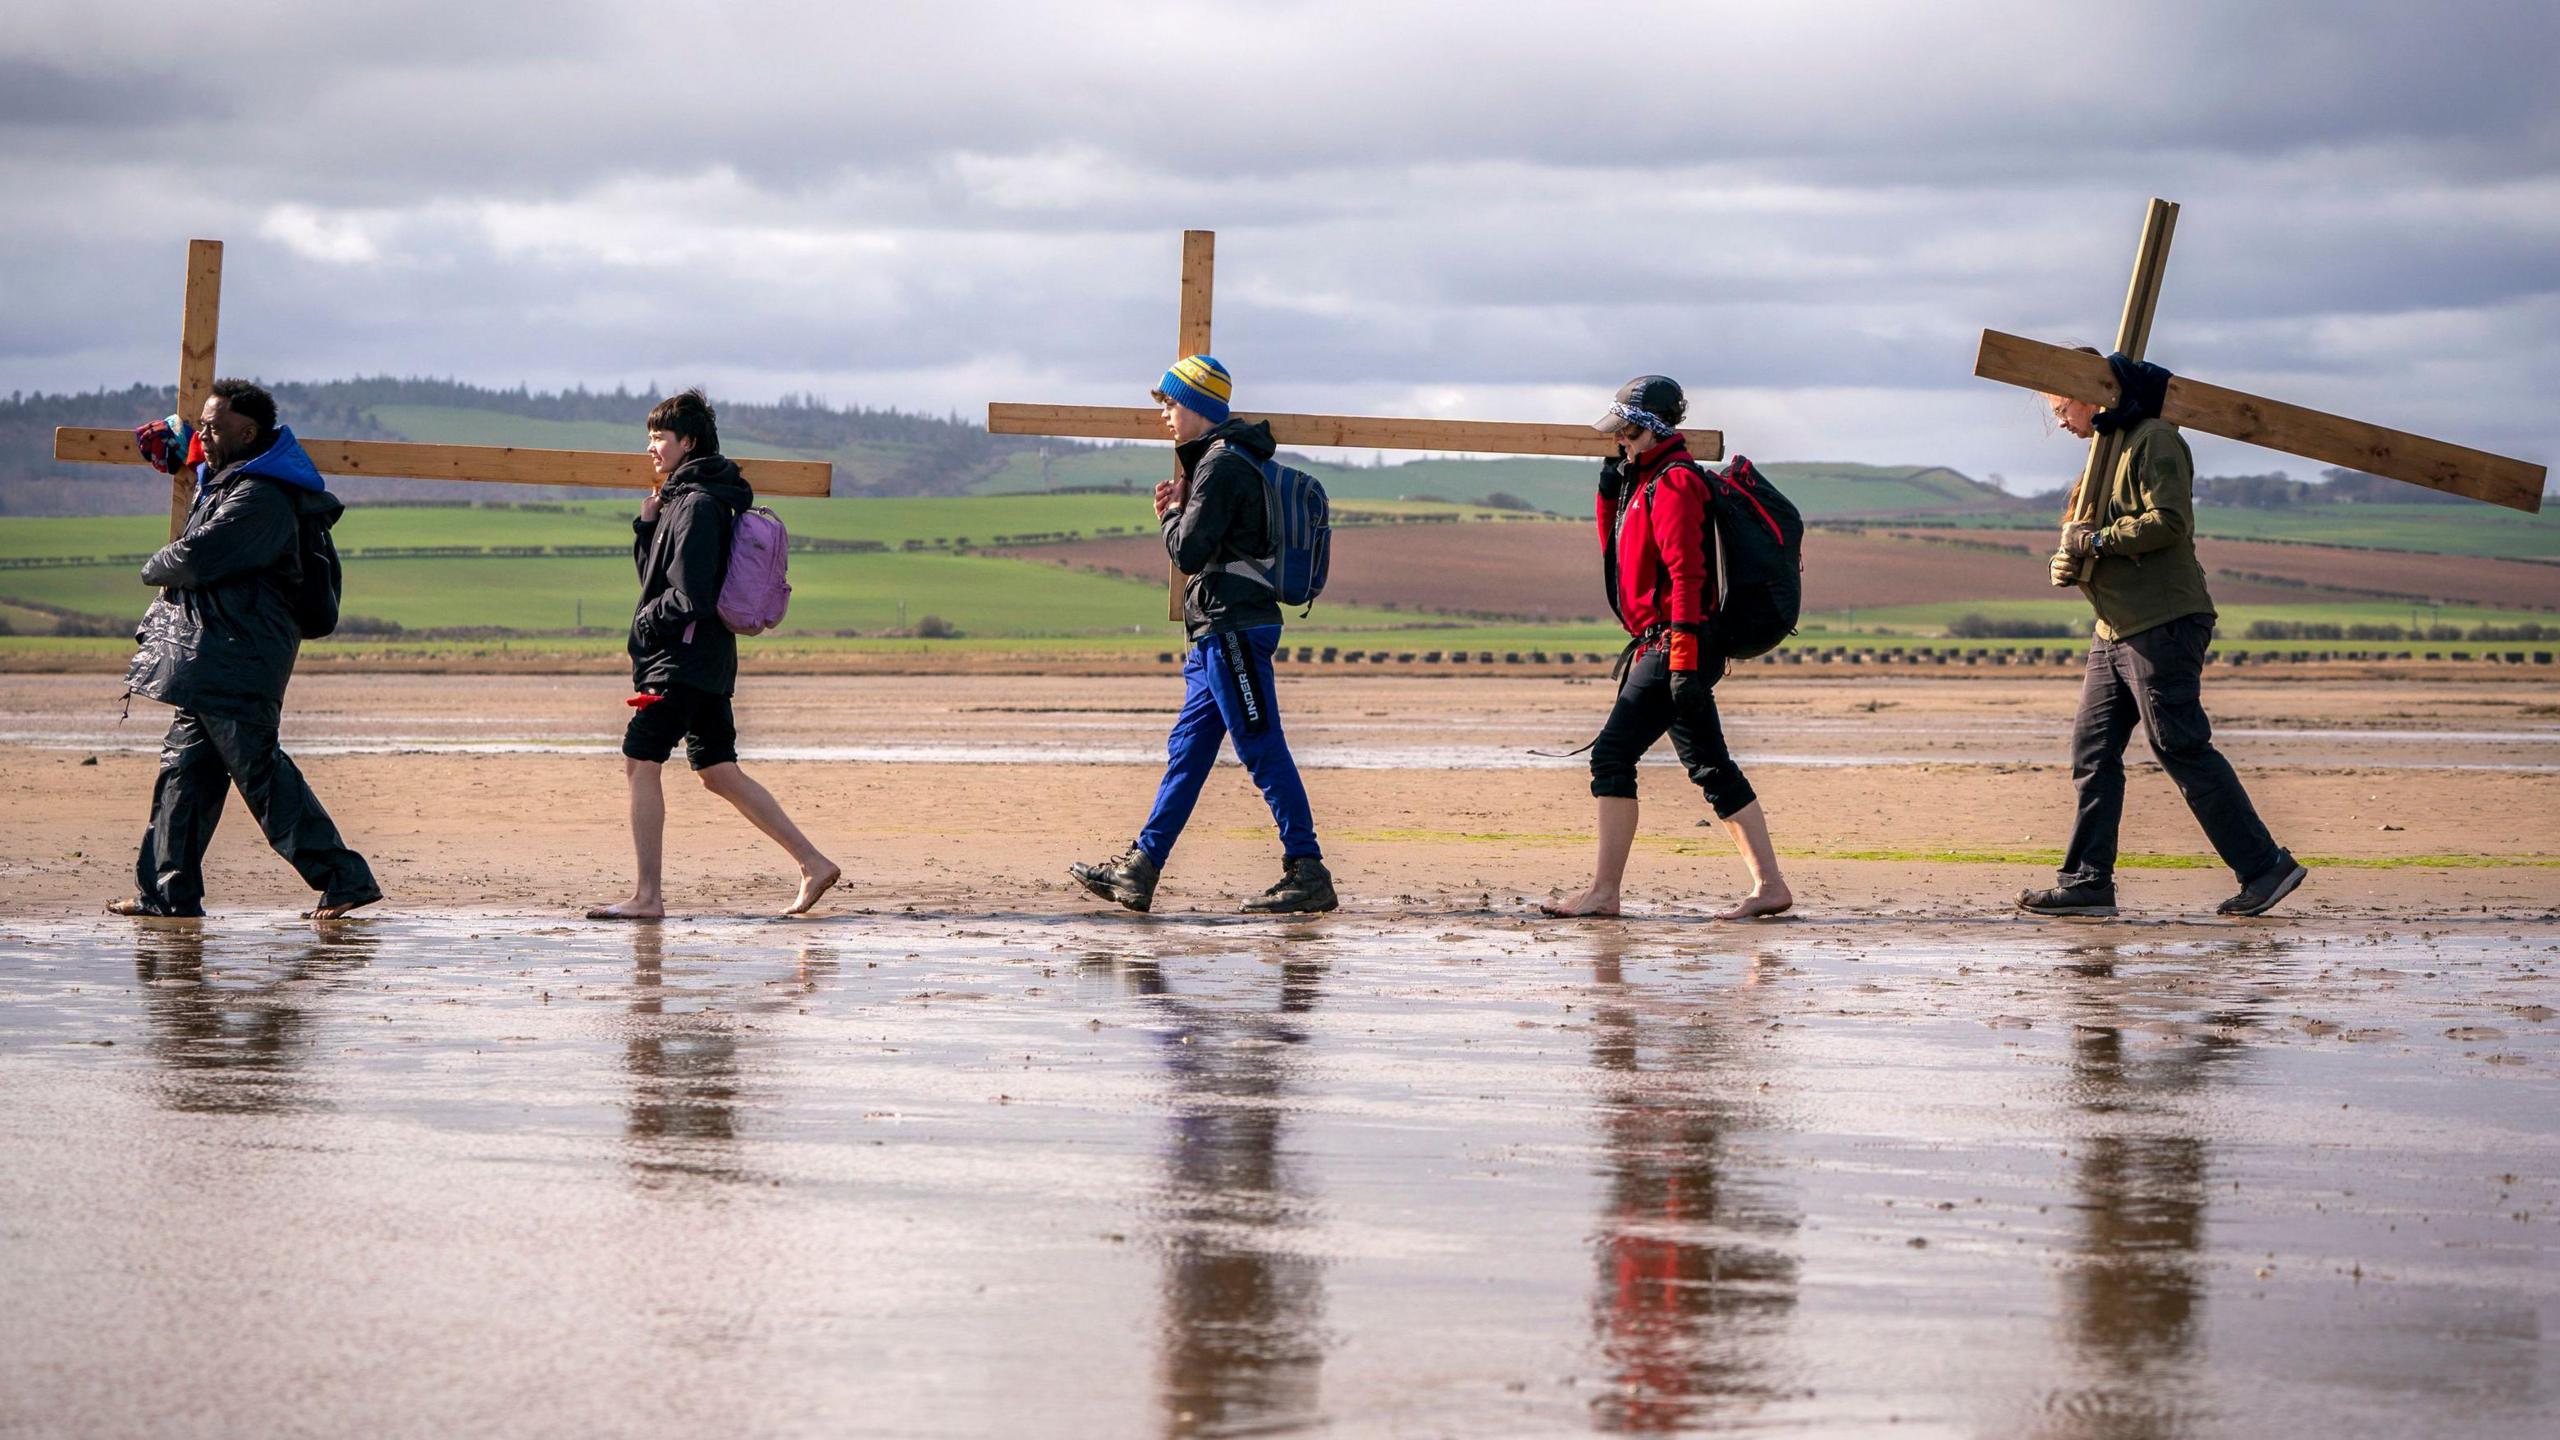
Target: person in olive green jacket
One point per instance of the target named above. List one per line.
(2146, 663)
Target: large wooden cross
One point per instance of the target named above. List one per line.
(488, 464)
(1191, 337)
(2235, 415)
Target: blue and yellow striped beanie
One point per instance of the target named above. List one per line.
(1200, 384)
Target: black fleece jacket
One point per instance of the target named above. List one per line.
(682, 557)
(1226, 517)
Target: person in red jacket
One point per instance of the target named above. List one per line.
(1653, 512)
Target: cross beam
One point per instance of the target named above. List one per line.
(2294, 429)
(1491, 437)
(2256, 420)
(484, 464)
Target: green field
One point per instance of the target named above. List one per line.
(1563, 486)
(983, 595)
(977, 521)
(995, 601)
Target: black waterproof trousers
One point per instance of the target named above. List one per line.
(2156, 676)
(202, 757)
(1643, 712)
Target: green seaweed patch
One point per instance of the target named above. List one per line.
(2174, 862)
(1661, 844)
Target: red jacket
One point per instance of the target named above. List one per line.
(1657, 561)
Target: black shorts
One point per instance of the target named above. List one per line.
(700, 718)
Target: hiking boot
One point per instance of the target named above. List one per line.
(1305, 888)
(2260, 895)
(1128, 878)
(2089, 897)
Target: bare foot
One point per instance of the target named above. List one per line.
(338, 911)
(814, 885)
(1762, 904)
(631, 909)
(1592, 902)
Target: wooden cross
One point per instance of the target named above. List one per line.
(1191, 337)
(2312, 434)
(487, 464)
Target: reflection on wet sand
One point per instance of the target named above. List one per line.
(1695, 1284)
(2133, 1291)
(239, 1046)
(1998, 1181)
(682, 1117)
(1243, 1349)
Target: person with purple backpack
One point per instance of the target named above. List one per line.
(684, 655)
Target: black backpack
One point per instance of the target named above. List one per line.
(315, 598)
(1756, 537)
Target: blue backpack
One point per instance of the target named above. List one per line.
(1301, 521)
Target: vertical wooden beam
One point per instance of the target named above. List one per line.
(2133, 338)
(1191, 337)
(195, 357)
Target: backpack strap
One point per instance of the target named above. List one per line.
(1263, 571)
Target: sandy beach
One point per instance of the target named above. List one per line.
(973, 792)
(967, 1153)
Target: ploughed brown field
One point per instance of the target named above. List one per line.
(2453, 579)
(1551, 571)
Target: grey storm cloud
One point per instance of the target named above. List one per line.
(1807, 211)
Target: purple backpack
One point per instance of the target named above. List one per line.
(757, 588)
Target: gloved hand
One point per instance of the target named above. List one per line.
(166, 445)
(2066, 569)
(2080, 540)
(1613, 474)
(1691, 691)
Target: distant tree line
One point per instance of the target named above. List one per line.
(879, 452)
(2279, 491)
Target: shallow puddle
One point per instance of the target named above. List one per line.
(499, 1176)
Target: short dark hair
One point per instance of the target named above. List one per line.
(688, 414)
(250, 399)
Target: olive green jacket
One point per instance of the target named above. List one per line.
(2146, 572)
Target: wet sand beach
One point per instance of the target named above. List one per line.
(1108, 1176)
(973, 792)
(966, 1154)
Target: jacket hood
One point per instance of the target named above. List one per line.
(1252, 437)
(286, 461)
(716, 476)
(289, 465)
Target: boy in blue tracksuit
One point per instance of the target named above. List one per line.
(1216, 523)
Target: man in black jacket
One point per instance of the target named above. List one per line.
(1217, 524)
(219, 645)
(684, 661)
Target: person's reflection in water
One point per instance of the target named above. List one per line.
(1243, 1350)
(2133, 1293)
(239, 1043)
(682, 1117)
(1696, 1281)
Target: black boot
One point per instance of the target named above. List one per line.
(1305, 888)
(1128, 878)
(2087, 897)
(2260, 895)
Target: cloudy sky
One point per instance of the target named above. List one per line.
(1807, 212)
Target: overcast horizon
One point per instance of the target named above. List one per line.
(1807, 213)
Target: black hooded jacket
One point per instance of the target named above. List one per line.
(1225, 518)
(683, 556)
(221, 639)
